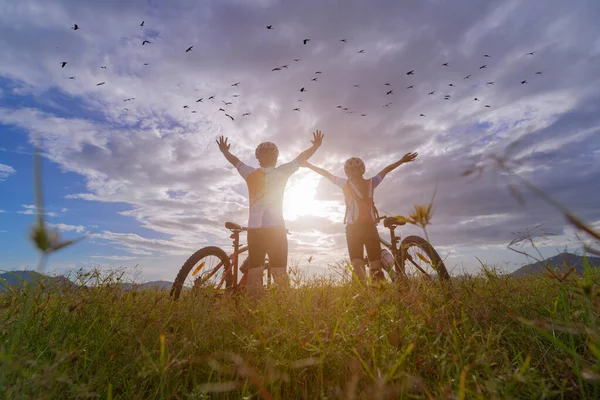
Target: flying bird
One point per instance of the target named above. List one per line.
(246, 114)
(491, 83)
(411, 72)
(356, 86)
(361, 51)
(306, 41)
(451, 85)
(390, 92)
(467, 77)
(447, 96)
(343, 40)
(220, 109)
(227, 103)
(318, 72)
(531, 53)
(193, 112)
(296, 109)
(142, 24)
(303, 90)
(421, 115)
(388, 104)
(276, 69)
(300, 101)
(297, 59)
(126, 109)
(146, 64)
(523, 82)
(236, 84)
(476, 99)
(75, 27)
(410, 87)
(483, 66)
(145, 41)
(211, 97)
(284, 66)
(430, 93)
(269, 26)
(487, 55)
(189, 49)
(200, 100)
(538, 73)
(387, 84)
(62, 64)
(71, 77)
(363, 115)
(100, 84)
(230, 116)
(185, 107)
(488, 106)
(236, 95)
(103, 67)
(338, 106)
(314, 79)
(444, 64)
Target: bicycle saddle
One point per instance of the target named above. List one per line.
(391, 222)
(232, 226)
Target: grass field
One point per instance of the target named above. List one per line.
(487, 336)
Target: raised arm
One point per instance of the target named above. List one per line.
(408, 157)
(224, 147)
(316, 143)
(320, 171)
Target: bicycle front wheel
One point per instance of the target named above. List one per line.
(419, 258)
(208, 267)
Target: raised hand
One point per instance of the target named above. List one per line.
(317, 138)
(408, 157)
(223, 145)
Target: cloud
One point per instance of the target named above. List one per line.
(68, 228)
(6, 171)
(30, 209)
(161, 159)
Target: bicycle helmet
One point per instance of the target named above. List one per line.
(266, 148)
(354, 165)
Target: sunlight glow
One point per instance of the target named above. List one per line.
(300, 199)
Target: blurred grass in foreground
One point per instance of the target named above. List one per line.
(489, 336)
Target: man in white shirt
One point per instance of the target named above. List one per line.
(266, 228)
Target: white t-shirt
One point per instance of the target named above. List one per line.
(265, 192)
(350, 194)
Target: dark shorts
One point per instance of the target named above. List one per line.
(267, 241)
(359, 236)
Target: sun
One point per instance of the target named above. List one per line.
(299, 199)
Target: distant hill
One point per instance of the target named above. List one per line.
(561, 262)
(17, 278)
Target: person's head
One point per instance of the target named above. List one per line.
(354, 168)
(266, 153)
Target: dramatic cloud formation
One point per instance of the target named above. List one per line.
(142, 138)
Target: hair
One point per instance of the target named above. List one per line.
(267, 160)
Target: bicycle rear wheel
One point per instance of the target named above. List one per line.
(419, 258)
(208, 267)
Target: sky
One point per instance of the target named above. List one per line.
(133, 166)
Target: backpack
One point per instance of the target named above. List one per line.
(367, 212)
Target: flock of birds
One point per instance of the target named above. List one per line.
(389, 91)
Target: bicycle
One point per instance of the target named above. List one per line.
(212, 267)
(220, 270)
(415, 256)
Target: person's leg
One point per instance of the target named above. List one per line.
(373, 245)
(355, 251)
(256, 260)
(277, 249)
